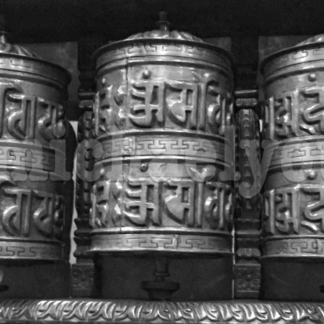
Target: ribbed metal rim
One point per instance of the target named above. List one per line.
(128, 42)
(287, 50)
(66, 73)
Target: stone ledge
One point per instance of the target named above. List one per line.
(131, 311)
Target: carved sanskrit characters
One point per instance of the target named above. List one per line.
(156, 104)
(294, 127)
(164, 203)
(26, 210)
(28, 125)
(26, 117)
(295, 113)
(295, 211)
(163, 156)
(143, 198)
(32, 158)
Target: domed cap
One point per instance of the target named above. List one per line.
(307, 54)
(163, 44)
(164, 33)
(8, 48)
(312, 40)
(16, 58)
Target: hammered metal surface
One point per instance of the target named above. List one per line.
(161, 115)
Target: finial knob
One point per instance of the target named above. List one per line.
(3, 37)
(163, 23)
(3, 34)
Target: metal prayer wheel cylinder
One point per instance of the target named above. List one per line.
(293, 195)
(32, 155)
(161, 115)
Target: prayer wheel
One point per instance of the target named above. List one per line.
(293, 195)
(32, 155)
(163, 153)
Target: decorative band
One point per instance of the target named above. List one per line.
(32, 158)
(297, 151)
(294, 247)
(161, 243)
(22, 250)
(170, 145)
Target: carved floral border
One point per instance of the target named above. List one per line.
(124, 311)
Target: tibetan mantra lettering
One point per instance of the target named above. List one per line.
(164, 149)
(32, 156)
(293, 118)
